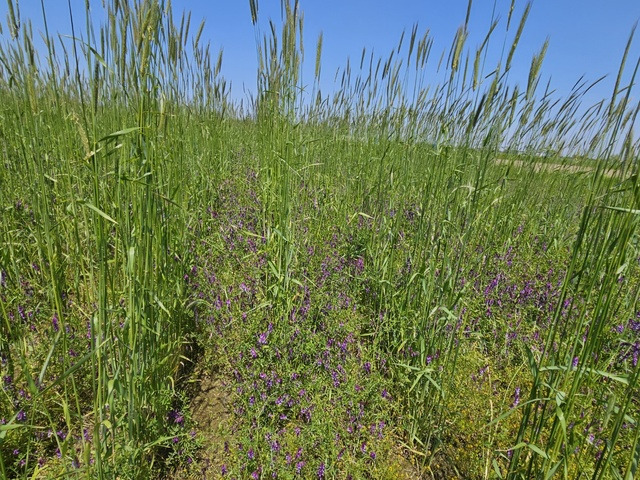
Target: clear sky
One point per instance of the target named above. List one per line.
(587, 37)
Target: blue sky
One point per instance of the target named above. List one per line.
(587, 37)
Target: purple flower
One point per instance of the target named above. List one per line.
(251, 454)
(299, 466)
(516, 398)
(22, 416)
(321, 470)
(223, 469)
(306, 414)
(575, 361)
(176, 417)
(54, 322)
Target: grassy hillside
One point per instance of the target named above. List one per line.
(341, 285)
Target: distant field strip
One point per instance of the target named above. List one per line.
(555, 167)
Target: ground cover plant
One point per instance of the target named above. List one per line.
(376, 282)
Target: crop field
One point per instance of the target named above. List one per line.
(399, 279)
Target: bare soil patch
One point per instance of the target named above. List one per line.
(212, 410)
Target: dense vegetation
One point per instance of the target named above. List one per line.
(378, 282)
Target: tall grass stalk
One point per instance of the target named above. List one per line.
(126, 131)
(108, 223)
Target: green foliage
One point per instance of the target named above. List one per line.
(393, 279)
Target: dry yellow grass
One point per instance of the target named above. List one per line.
(555, 167)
